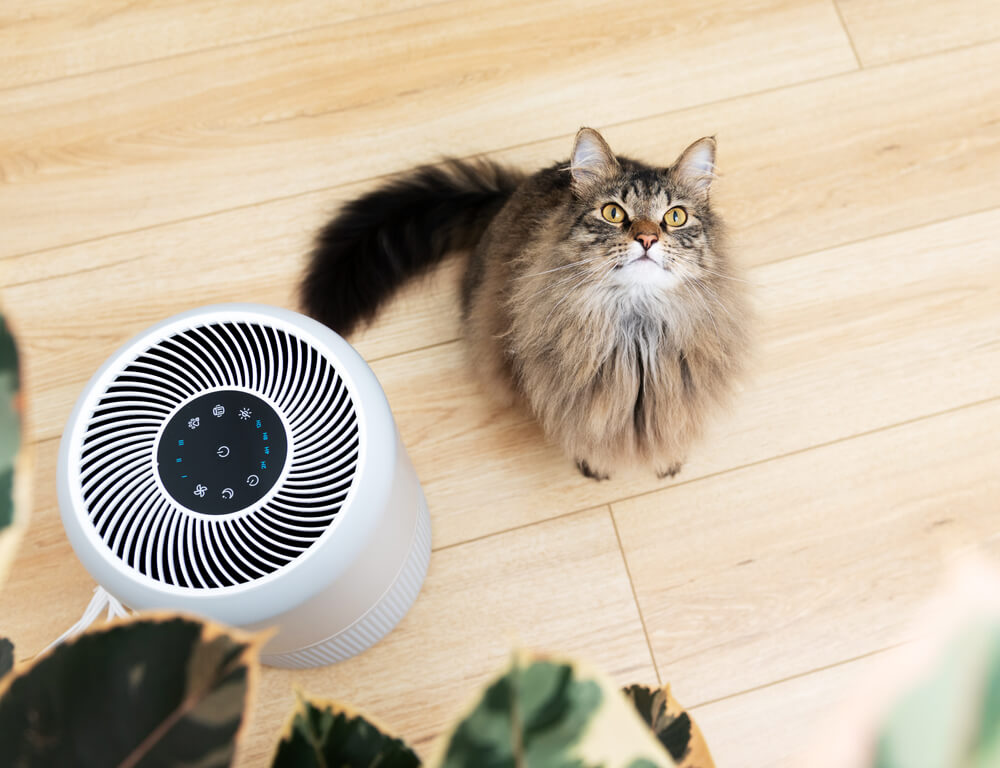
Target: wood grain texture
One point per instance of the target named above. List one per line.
(892, 30)
(172, 139)
(779, 725)
(560, 586)
(180, 154)
(900, 338)
(837, 547)
(557, 586)
(846, 184)
(47, 39)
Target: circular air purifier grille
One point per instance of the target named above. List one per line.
(242, 462)
(234, 443)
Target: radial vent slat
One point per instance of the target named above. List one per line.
(145, 527)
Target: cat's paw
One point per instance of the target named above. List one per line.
(587, 471)
(670, 471)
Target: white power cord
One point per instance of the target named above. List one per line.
(102, 599)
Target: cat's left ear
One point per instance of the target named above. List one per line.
(695, 168)
(592, 160)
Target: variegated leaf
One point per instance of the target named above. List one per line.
(671, 725)
(6, 656)
(148, 691)
(14, 483)
(323, 733)
(551, 713)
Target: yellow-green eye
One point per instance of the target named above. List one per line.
(613, 212)
(675, 217)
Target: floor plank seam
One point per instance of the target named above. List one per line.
(34, 444)
(635, 597)
(800, 675)
(496, 151)
(487, 153)
(532, 524)
(223, 46)
(847, 33)
(452, 340)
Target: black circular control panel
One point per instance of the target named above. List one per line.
(222, 452)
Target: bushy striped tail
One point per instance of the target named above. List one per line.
(396, 232)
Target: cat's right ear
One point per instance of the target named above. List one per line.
(592, 160)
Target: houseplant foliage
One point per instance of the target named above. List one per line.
(674, 728)
(6, 656)
(320, 733)
(171, 691)
(167, 690)
(951, 715)
(13, 457)
(146, 691)
(551, 712)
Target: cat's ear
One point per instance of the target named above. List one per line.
(592, 159)
(695, 168)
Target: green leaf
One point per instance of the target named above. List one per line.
(324, 734)
(149, 691)
(671, 725)
(6, 656)
(14, 484)
(10, 422)
(549, 713)
(951, 717)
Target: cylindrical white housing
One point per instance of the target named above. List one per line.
(241, 462)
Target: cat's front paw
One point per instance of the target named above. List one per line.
(588, 471)
(670, 471)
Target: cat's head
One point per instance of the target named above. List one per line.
(647, 228)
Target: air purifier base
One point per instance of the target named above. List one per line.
(379, 620)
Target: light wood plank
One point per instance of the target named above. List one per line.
(49, 39)
(171, 139)
(777, 726)
(891, 30)
(824, 554)
(845, 184)
(559, 586)
(849, 342)
(884, 329)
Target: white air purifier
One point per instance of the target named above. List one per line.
(241, 462)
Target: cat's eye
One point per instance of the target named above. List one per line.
(675, 217)
(613, 212)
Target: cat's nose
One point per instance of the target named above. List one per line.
(647, 240)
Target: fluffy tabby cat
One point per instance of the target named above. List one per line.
(598, 291)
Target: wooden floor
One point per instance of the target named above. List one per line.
(157, 155)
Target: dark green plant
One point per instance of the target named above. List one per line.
(147, 691)
(949, 718)
(320, 734)
(671, 724)
(6, 656)
(172, 691)
(550, 712)
(13, 494)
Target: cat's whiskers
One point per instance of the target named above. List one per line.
(572, 277)
(707, 289)
(556, 269)
(724, 276)
(569, 291)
